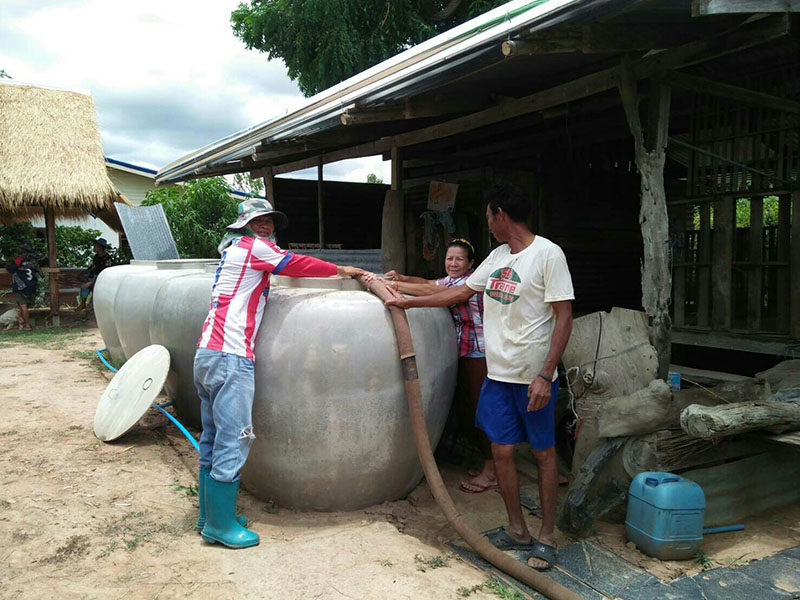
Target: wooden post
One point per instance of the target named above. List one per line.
(320, 206)
(653, 219)
(755, 297)
(722, 266)
(269, 187)
(794, 267)
(393, 246)
(50, 228)
(679, 271)
(784, 254)
(704, 265)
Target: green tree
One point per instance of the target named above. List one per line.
(372, 178)
(323, 42)
(197, 213)
(244, 183)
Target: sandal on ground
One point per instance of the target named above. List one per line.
(480, 488)
(500, 539)
(544, 552)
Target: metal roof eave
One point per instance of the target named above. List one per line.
(417, 61)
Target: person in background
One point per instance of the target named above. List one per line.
(223, 364)
(102, 258)
(25, 273)
(468, 319)
(528, 293)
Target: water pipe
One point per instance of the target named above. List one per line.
(538, 581)
(722, 529)
(160, 407)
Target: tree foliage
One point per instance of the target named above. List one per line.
(197, 213)
(323, 42)
(73, 243)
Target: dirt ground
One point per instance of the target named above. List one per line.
(84, 519)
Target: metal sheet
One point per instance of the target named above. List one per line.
(148, 232)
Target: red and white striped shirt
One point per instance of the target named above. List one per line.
(240, 291)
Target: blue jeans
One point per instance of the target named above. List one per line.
(226, 384)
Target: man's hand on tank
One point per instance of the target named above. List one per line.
(349, 271)
(538, 394)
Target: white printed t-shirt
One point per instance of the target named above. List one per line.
(518, 320)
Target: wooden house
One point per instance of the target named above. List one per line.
(657, 139)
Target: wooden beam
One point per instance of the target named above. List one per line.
(730, 7)
(368, 149)
(794, 268)
(722, 267)
(50, 229)
(732, 92)
(263, 153)
(743, 342)
(378, 114)
(680, 142)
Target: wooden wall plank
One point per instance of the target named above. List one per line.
(704, 267)
(756, 271)
(794, 327)
(722, 266)
(784, 229)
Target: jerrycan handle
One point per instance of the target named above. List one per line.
(653, 482)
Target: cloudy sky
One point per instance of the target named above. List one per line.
(168, 76)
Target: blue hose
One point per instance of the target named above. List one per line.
(722, 529)
(103, 359)
(160, 407)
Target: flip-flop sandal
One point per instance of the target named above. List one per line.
(500, 539)
(481, 488)
(544, 552)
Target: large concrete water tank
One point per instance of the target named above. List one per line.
(136, 299)
(176, 323)
(330, 415)
(103, 297)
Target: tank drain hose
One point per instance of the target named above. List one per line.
(541, 583)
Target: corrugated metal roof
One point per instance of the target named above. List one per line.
(408, 72)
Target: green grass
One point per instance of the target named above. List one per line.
(189, 490)
(53, 338)
(705, 560)
(493, 586)
(426, 563)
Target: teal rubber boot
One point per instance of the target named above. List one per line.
(201, 519)
(221, 525)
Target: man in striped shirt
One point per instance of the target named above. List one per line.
(223, 366)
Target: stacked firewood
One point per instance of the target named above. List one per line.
(631, 422)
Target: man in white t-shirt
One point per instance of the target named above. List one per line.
(527, 322)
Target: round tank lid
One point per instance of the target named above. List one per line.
(131, 392)
(320, 283)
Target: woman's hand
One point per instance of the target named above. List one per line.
(394, 275)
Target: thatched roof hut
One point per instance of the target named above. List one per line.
(51, 156)
(52, 164)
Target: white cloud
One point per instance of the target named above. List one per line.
(168, 76)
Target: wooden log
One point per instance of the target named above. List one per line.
(749, 486)
(636, 414)
(707, 422)
(784, 374)
(580, 510)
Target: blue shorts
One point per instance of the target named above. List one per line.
(503, 414)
